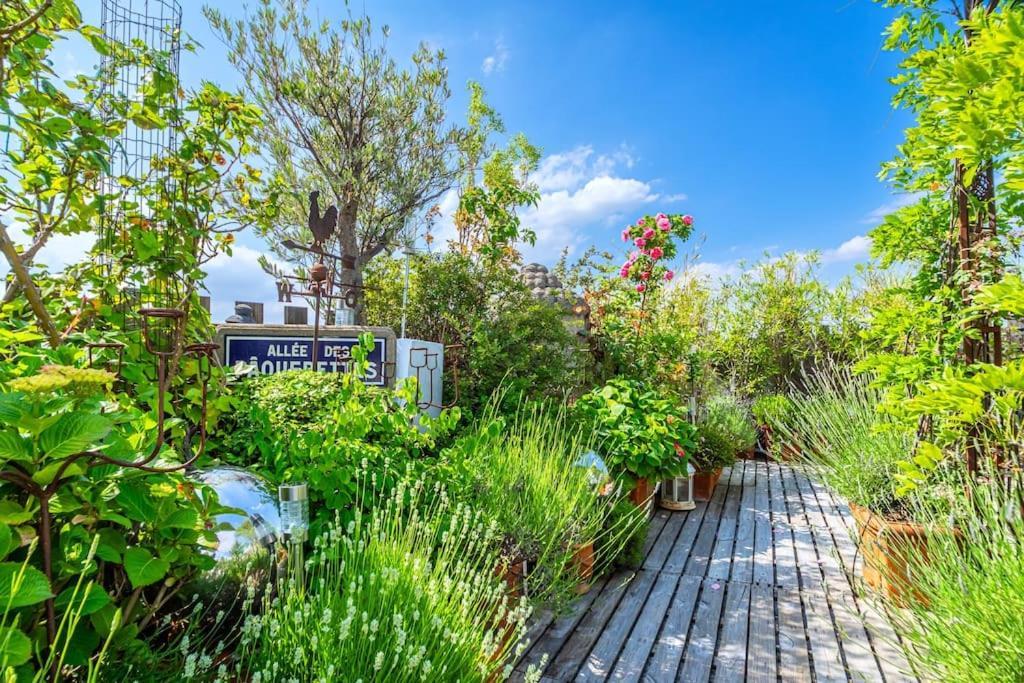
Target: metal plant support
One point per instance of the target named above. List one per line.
(156, 25)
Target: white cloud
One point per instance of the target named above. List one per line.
(569, 170)
(857, 248)
(579, 189)
(496, 61)
(714, 272)
(673, 198)
(878, 214)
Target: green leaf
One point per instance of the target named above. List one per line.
(48, 473)
(90, 598)
(7, 541)
(11, 407)
(15, 647)
(144, 569)
(136, 503)
(12, 513)
(22, 585)
(15, 447)
(73, 433)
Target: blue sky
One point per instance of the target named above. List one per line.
(766, 121)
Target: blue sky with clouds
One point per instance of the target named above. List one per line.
(766, 121)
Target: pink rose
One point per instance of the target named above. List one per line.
(646, 275)
(641, 222)
(633, 256)
(665, 224)
(657, 253)
(641, 288)
(660, 217)
(625, 235)
(624, 273)
(687, 220)
(669, 275)
(648, 233)
(640, 242)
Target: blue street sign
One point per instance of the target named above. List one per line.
(275, 354)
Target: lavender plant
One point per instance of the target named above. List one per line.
(407, 592)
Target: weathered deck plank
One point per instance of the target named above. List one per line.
(757, 584)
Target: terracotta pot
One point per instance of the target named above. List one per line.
(642, 493)
(704, 484)
(512, 574)
(583, 563)
(887, 547)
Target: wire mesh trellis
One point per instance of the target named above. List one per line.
(155, 27)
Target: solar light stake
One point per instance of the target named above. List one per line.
(294, 504)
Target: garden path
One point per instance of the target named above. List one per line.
(754, 585)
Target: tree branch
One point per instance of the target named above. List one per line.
(35, 299)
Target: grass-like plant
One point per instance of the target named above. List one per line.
(522, 472)
(730, 419)
(968, 623)
(838, 429)
(406, 593)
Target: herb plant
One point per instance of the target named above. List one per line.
(407, 592)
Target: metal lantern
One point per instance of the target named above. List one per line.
(677, 493)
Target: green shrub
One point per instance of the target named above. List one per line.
(509, 338)
(714, 448)
(770, 409)
(521, 473)
(838, 429)
(968, 623)
(135, 537)
(394, 598)
(338, 424)
(621, 545)
(639, 433)
(731, 421)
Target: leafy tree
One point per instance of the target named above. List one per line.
(343, 118)
(493, 187)
(960, 77)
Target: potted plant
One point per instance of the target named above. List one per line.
(642, 436)
(713, 452)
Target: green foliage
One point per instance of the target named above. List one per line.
(732, 420)
(319, 428)
(522, 474)
(487, 221)
(714, 448)
(509, 339)
(384, 595)
(639, 433)
(622, 543)
(771, 409)
(855, 448)
(136, 537)
(776, 319)
(318, 83)
(968, 624)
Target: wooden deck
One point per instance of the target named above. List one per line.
(754, 585)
